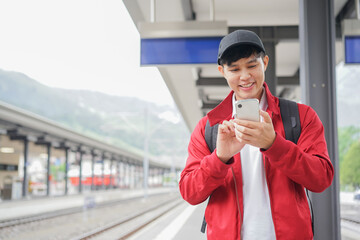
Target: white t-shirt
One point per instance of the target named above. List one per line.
(257, 220)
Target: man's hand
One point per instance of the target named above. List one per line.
(227, 145)
(257, 134)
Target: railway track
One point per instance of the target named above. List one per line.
(350, 228)
(351, 220)
(63, 212)
(126, 227)
(124, 216)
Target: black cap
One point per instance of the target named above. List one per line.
(239, 37)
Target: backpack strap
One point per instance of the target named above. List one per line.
(210, 138)
(203, 225)
(291, 120)
(211, 135)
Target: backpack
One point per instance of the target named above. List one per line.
(291, 121)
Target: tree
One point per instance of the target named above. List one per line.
(350, 167)
(347, 136)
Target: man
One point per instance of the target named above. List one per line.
(255, 178)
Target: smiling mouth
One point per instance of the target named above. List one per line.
(247, 85)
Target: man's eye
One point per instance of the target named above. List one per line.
(233, 70)
(252, 66)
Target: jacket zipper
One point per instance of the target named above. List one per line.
(237, 198)
(267, 184)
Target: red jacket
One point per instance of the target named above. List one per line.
(288, 168)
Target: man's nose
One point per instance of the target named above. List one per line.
(244, 75)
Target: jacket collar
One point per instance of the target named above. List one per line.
(223, 111)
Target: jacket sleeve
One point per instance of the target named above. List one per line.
(308, 162)
(204, 171)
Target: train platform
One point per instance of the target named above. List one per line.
(158, 216)
(29, 207)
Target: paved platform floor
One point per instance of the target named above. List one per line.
(27, 207)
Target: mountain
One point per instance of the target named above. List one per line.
(120, 121)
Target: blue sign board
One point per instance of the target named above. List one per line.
(352, 49)
(199, 50)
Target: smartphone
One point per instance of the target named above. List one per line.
(248, 109)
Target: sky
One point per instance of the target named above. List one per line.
(78, 44)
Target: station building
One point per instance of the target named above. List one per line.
(40, 158)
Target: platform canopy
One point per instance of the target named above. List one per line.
(198, 87)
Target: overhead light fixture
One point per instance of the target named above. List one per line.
(183, 29)
(7, 150)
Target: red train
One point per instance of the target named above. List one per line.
(98, 181)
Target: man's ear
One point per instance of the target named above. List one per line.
(265, 61)
(221, 69)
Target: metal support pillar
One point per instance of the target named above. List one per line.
(48, 148)
(125, 173)
(270, 74)
(137, 175)
(93, 155)
(140, 177)
(66, 169)
(152, 11)
(111, 173)
(159, 176)
(212, 10)
(120, 174)
(128, 175)
(156, 177)
(25, 179)
(150, 177)
(80, 171)
(142, 174)
(163, 172)
(132, 174)
(146, 152)
(103, 171)
(317, 79)
(188, 9)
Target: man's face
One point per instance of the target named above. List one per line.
(246, 76)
